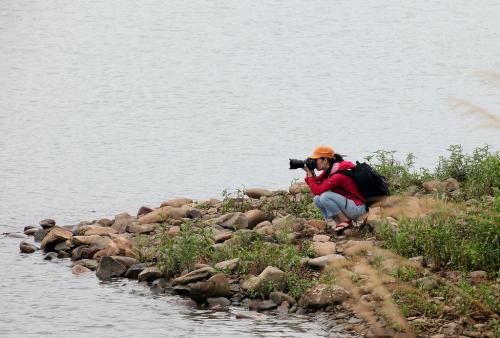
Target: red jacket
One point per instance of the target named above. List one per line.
(338, 183)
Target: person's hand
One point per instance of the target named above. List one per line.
(308, 171)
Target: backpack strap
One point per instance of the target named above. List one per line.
(349, 173)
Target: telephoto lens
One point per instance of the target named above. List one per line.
(296, 164)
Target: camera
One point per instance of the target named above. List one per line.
(297, 164)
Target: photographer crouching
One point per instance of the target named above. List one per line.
(336, 194)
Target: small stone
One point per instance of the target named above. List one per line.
(323, 261)
(229, 265)
(50, 256)
(220, 301)
(79, 269)
(259, 305)
(477, 277)
(25, 247)
(223, 236)
(47, 223)
(280, 297)
(143, 211)
(323, 248)
(257, 193)
(321, 238)
(88, 263)
(149, 274)
(195, 276)
(134, 271)
(159, 285)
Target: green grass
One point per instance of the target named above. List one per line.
(469, 241)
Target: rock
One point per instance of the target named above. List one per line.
(105, 222)
(263, 224)
(271, 279)
(321, 262)
(159, 215)
(142, 228)
(108, 268)
(178, 213)
(257, 193)
(134, 271)
(55, 235)
(39, 235)
(62, 246)
(280, 297)
(31, 231)
(195, 276)
(259, 305)
(449, 328)
(432, 186)
(88, 263)
(174, 231)
(223, 236)
(250, 315)
(122, 221)
(218, 301)
(149, 274)
(126, 261)
(317, 223)
(229, 265)
(255, 217)
(177, 202)
(235, 220)
(83, 252)
(50, 256)
(194, 213)
(100, 231)
(477, 277)
(288, 224)
(79, 269)
(27, 248)
(267, 230)
(159, 285)
(450, 184)
(323, 295)
(143, 211)
(216, 286)
(47, 223)
(95, 241)
(299, 187)
(323, 248)
(321, 238)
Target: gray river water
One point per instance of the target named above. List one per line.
(107, 106)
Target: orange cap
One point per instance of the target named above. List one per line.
(322, 151)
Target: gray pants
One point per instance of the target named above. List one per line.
(331, 204)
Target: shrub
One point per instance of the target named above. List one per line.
(177, 254)
(470, 241)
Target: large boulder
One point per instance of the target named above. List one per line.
(234, 220)
(323, 295)
(55, 235)
(108, 268)
(122, 221)
(257, 193)
(255, 217)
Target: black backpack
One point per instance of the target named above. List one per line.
(370, 183)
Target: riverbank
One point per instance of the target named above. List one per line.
(269, 251)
